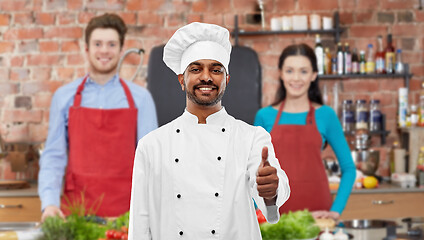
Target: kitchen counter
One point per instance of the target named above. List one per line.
(384, 188)
(26, 192)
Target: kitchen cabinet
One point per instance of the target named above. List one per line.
(384, 205)
(20, 209)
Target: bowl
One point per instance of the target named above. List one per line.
(366, 160)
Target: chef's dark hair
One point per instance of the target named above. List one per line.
(107, 20)
(314, 94)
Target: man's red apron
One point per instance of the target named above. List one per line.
(102, 144)
(298, 149)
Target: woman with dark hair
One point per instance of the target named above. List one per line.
(300, 125)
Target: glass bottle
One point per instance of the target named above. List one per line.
(414, 115)
(408, 116)
(334, 65)
(348, 116)
(379, 57)
(370, 65)
(420, 168)
(362, 62)
(319, 52)
(355, 62)
(347, 60)
(390, 55)
(399, 64)
(340, 63)
(403, 107)
(375, 115)
(327, 61)
(421, 112)
(361, 114)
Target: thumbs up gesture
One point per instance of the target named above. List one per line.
(267, 178)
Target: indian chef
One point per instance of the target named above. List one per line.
(195, 177)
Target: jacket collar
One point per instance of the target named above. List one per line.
(217, 118)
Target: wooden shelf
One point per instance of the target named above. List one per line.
(376, 76)
(336, 31)
(406, 75)
(252, 33)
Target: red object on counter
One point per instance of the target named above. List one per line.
(260, 216)
(102, 143)
(298, 149)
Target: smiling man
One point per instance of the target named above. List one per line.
(195, 177)
(95, 122)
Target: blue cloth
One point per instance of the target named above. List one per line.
(108, 96)
(331, 131)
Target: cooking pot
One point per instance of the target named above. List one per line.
(365, 229)
(366, 160)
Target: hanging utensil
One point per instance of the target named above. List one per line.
(132, 50)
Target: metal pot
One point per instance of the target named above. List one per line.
(366, 160)
(364, 229)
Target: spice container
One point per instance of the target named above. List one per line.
(348, 116)
(375, 115)
(361, 114)
(403, 106)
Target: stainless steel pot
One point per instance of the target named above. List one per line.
(366, 160)
(364, 229)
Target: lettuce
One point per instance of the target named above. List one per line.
(293, 225)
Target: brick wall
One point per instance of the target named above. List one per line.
(42, 48)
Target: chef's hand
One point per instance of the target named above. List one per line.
(325, 214)
(51, 211)
(267, 180)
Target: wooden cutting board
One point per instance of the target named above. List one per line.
(13, 184)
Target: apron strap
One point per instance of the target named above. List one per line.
(127, 91)
(309, 117)
(78, 97)
(277, 119)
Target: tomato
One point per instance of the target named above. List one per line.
(117, 235)
(261, 217)
(124, 229)
(124, 236)
(110, 234)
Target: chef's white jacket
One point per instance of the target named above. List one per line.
(196, 181)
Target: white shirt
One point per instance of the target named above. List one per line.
(196, 181)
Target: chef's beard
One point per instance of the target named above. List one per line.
(192, 96)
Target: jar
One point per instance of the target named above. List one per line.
(375, 115)
(414, 115)
(361, 114)
(348, 116)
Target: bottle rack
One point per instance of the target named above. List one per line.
(382, 133)
(406, 75)
(336, 31)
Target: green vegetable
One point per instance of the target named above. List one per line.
(293, 225)
(54, 229)
(77, 227)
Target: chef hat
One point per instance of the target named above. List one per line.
(197, 41)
